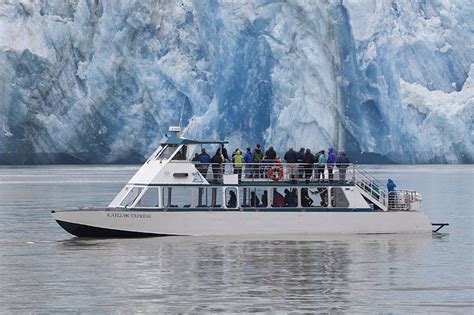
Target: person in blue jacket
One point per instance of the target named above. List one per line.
(204, 160)
(330, 162)
(391, 185)
(248, 159)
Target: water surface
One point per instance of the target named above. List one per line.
(44, 269)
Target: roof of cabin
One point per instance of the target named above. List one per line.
(178, 141)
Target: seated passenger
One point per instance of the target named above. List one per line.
(306, 200)
(290, 199)
(278, 200)
(265, 199)
(232, 200)
(254, 201)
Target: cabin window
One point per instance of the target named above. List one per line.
(178, 197)
(216, 197)
(149, 198)
(313, 197)
(167, 152)
(120, 196)
(285, 197)
(253, 197)
(250, 197)
(231, 198)
(131, 197)
(181, 154)
(338, 198)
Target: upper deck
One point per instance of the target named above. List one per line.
(174, 165)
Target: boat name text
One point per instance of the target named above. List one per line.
(129, 215)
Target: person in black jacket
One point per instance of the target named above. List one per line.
(270, 154)
(291, 160)
(232, 200)
(217, 161)
(342, 163)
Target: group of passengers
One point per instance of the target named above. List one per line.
(290, 199)
(256, 164)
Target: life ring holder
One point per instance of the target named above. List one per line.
(275, 173)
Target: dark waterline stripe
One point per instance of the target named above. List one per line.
(81, 230)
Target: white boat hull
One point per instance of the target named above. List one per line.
(132, 223)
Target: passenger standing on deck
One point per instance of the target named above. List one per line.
(204, 160)
(321, 164)
(238, 162)
(269, 158)
(248, 159)
(257, 158)
(330, 163)
(308, 164)
(391, 185)
(224, 154)
(342, 164)
(300, 159)
(270, 154)
(217, 161)
(291, 160)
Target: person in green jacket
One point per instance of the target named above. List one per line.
(238, 162)
(321, 165)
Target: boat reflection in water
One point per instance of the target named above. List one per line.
(247, 274)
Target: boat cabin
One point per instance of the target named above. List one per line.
(170, 181)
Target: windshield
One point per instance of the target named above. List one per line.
(167, 152)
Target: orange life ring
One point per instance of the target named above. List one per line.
(275, 173)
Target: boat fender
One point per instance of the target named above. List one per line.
(275, 173)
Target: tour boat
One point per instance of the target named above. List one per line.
(172, 195)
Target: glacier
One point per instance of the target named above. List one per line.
(90, 81)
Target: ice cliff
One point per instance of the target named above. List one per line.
(100, 81)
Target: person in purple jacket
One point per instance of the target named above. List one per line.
(330, 162)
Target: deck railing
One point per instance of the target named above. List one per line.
(329, 173)
(280, 172)
(404, 200)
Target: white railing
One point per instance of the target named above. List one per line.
(371, 185)
(335, 174)
(404, 200)
(280, 172)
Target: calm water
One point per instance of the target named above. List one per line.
(44, 269)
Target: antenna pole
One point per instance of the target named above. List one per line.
(182, 112)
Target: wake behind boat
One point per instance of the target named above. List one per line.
(173, 195)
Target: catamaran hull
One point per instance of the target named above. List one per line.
(111, 223)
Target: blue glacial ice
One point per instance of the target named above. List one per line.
(90, 81)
